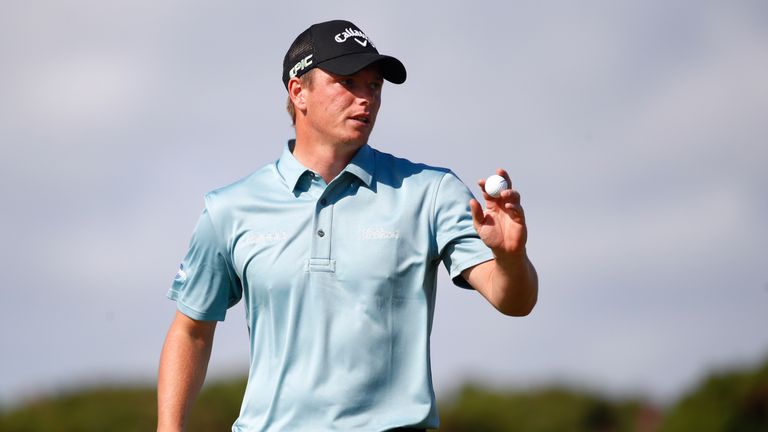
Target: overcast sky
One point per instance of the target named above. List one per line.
(635, 131)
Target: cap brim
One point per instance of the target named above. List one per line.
(391, 68)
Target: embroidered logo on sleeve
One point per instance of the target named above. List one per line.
(181, 275)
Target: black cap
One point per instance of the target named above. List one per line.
(339, 47)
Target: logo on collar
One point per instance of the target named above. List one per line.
(354, 34)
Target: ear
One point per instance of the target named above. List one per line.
(298, 94)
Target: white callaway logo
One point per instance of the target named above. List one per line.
(354, 34)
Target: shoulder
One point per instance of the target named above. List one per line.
(242, 191)
(391, 167)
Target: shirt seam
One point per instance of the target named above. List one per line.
(205, 315)
(476, 259)
(432, 220)
(224, 250)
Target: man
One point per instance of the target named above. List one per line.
(334, 249)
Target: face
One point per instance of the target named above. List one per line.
(342, 109)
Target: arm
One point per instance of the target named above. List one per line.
(183, 364)
(512, 287)
(509, 282)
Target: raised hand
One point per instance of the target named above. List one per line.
(502, 225)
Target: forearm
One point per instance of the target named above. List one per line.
(511, 285)
(514, 286)
(183, 365)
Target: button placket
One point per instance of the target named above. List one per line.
(323, 225)
(321, 240)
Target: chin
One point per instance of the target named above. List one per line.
(357, 140)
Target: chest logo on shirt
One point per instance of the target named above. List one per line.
(379, 233)
(265, 237)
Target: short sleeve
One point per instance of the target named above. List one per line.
(206, 284)
(458, 244)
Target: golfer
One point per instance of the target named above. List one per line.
(334, 250)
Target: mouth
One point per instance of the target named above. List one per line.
(362, 118)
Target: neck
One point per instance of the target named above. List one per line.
(326, 159)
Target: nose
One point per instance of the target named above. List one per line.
(366, 95)
(369, 95)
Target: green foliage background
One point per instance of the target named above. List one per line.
(729, 401)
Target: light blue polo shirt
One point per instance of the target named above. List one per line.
(338, 282)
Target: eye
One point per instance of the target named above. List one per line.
(375, 85)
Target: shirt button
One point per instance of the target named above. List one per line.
(323, 202)
(320, 233)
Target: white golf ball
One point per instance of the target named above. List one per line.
(495, 184)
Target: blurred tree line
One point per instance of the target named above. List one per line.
(730, 401)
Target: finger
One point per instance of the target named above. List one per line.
(477, 213)
(481, 183)
(516, 212)
(490, 201)
(508, 194)
(502, 172)
(511, 195)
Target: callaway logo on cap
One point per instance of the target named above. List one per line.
(339, 47)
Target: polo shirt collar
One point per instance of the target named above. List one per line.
(362, 165)
(291, 170)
